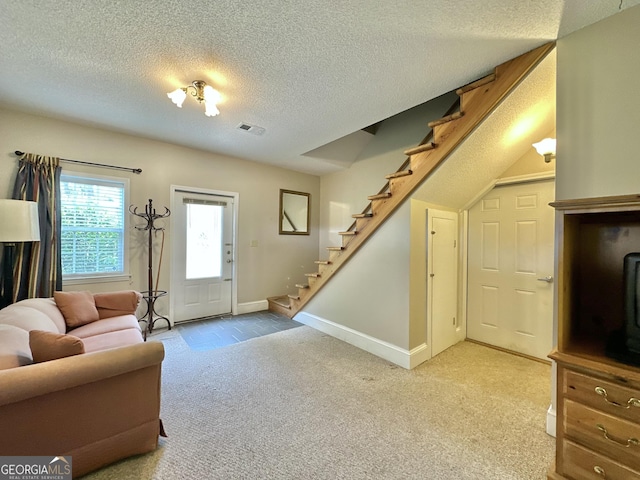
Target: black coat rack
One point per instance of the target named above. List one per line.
(152, 294)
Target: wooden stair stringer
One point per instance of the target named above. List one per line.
(425, 144)
(479, 104)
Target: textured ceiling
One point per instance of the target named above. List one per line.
(307, 72)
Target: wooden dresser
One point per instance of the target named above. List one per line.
(598, 398)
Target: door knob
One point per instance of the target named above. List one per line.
(548, 279)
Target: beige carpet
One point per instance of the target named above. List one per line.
(302, 405)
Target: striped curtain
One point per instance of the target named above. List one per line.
(38, 267)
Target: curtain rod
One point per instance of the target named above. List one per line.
(134, 170)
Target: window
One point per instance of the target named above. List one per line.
(204, 240)
(94, 244)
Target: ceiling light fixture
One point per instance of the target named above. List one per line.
(546, 148)
(202, 92)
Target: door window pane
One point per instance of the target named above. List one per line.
(204, 241)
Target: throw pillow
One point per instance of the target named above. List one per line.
(47, 346)
(114, 304)
(78, 308)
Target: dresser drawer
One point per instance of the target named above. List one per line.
(611, 436)
(583, 464)
(606, 396)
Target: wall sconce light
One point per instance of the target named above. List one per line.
(546, 148)
(202, 92)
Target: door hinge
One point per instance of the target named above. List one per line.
(454, 321)
(227, 279)
(455, 243)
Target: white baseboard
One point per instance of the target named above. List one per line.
(394, 354)
(551, 421)
(418, 355)
(250, 307)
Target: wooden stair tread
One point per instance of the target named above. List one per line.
(312, 275)
(322, 262)
(294, 297)
(335, 249)
(299, 285)
(421, 148)
(350, 232)
(448, 118)
(477, 84)
(379, 196)
(281, 301)
(362, 215)
(401, 173)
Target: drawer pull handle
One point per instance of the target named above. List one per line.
(630, 442)
(632, 402)
(600, 471)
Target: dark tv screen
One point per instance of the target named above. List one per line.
(631, 301)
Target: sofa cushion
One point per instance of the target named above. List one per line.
(114, 304)
(47, 346)
(128, 336)
(14, 347)
(27, 318)
(78, 308)
(106, 325)
(49, 308)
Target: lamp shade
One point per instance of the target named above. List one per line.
(19, 221)
(178, 96)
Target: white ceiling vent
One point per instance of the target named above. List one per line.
(256, 130)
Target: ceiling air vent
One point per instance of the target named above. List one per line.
(251, 128)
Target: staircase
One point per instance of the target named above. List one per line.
(476, 102)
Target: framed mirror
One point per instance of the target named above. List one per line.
(294, 212)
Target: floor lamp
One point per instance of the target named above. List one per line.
(18, 223)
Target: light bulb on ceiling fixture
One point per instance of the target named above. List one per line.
(211, 98)
(178, 96)
(202, 92)
(546, 148)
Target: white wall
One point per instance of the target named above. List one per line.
(598, 112)
(370, 294)
(271, 268)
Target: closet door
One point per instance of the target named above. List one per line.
(510, 266)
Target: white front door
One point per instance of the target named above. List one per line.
(442, 282)
(202, 255)
(510, 267)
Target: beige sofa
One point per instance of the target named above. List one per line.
(97, 407)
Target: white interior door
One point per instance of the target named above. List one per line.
(442, 282)
(202, 240)
(510, 268)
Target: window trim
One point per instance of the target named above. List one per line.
(102, 277)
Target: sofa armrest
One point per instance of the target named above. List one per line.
(18, 384)
(96, 407)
